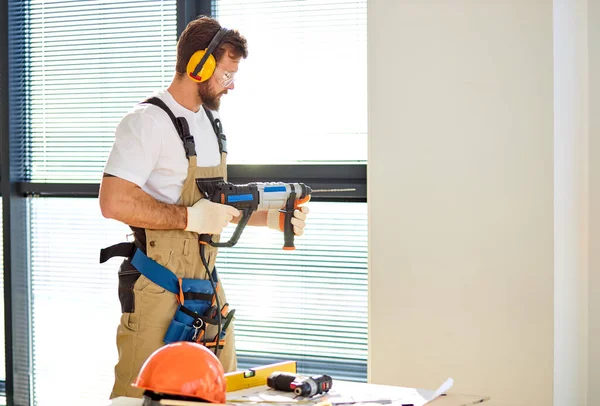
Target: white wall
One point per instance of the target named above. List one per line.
(593, 26)
(460, 196)
(483, 255)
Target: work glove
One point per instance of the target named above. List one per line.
(275, 218)
(206, 217)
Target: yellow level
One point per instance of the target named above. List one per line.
(252, 377)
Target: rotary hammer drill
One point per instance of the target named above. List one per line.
(254, 196)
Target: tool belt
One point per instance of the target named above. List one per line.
(197, 316)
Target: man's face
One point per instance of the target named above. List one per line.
(220, 82)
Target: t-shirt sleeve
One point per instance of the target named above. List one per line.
(136, 148)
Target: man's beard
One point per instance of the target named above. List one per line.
(209, 97)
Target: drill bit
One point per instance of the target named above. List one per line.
(332, 190)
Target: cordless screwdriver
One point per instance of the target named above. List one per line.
(301, 386)
(258, 196)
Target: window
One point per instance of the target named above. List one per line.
(98, 59)
(305, 78)
(308, 305)
(75, 308)
(94, 61)
(90, 62)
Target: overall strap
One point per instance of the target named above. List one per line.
(181, 125)
(218, 128)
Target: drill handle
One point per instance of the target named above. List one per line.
(288, 227)
(207, 238)
(288, 214)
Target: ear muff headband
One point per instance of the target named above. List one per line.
(202, 64)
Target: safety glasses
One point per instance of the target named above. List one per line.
(224, 78)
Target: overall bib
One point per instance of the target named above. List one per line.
(151, 311)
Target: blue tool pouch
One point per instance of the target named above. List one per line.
(197, 317)
(190, 318)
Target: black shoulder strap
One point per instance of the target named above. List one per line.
(181, 125)
(218, 128)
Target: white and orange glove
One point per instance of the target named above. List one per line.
(275, 220)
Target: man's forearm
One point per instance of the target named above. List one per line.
(147, 212)
(129, 204)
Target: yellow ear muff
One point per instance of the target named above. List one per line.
(207, 69)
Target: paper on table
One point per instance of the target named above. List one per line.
(443, 389)
(385, 394)
(344, 393)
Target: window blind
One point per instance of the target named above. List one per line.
(91, 61)
(75, 306)
(98, 59)
(304, 81)
(305, 78)
(309, 305)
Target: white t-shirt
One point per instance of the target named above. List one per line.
(148, 151)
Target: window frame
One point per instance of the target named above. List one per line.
(17, 326)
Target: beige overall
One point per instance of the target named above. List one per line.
(140, 333)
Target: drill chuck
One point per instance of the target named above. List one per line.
(308, 388)
(301, 386)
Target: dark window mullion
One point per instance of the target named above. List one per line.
(5, 188)
(14, 142)
(187, 10)
(315, 176)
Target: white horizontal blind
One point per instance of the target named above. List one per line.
(302, 92)
(91, 61)
(98, 59)
(309, 304)
(305, 81)
(75, 305)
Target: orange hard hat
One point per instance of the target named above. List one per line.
(184, 369)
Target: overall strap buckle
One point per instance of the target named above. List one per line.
(218, 128)
(181, 125)
(183, 129)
